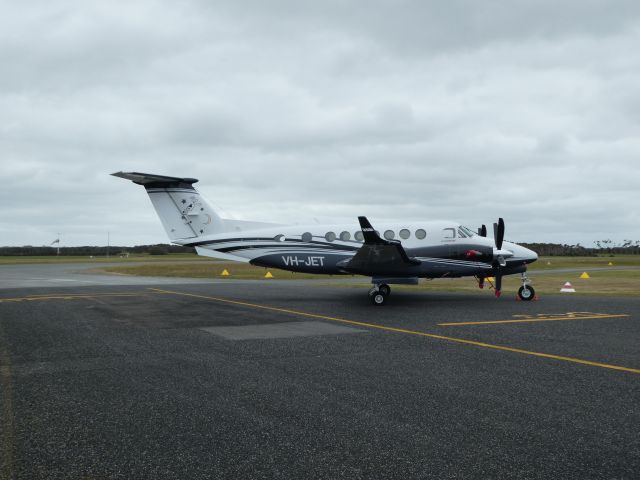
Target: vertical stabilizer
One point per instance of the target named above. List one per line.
(183, 211)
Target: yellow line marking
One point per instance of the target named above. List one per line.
(529, 320)
(67, 297)
(402, 330)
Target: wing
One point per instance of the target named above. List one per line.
(379, 256)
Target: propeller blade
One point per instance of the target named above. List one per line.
(499, 262)
(482, 231)
(498, 233)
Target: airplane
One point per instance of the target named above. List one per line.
(404, 253)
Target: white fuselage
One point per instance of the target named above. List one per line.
(318, 248)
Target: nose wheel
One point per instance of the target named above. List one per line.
(379, 294)
(526, 292)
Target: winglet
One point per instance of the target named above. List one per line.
(370, 234)
(371, 237)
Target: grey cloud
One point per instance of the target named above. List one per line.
(434, 27)
(288, 111)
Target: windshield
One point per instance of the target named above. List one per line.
(467, 231)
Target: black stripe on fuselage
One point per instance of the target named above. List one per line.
(284, 248)
(298, 243)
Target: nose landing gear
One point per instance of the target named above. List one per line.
(526, 291)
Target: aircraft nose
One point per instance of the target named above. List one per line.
(531, 256)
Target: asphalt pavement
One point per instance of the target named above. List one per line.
(281, 380)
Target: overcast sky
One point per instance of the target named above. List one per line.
(291, 111)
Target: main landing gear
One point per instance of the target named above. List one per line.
(379, 293)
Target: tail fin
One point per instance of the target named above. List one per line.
(183, 212)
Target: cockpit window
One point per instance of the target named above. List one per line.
(470, 233)
(448, 233)
(461, 233)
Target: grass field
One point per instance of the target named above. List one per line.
(210, 270)
(622, 278)
(552, 263)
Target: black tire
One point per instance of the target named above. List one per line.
(526, 293)
(384, 289)
(378, 298)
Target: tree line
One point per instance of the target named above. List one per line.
(95, 251)
(608, 248)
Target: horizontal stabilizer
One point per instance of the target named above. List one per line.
(151, 180)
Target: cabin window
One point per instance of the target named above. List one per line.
(420, 234)
(359, 236)
(404, 234)
(344, 236)
(448, 233)
(279, 238)
(330, 236)
(389, 235)
(307, 237)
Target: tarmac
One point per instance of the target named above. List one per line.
(77, 274)
(269, 379)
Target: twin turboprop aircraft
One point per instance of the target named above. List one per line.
(403, 254)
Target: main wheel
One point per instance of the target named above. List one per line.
(378, 298)
(384, 289)
(526, 293)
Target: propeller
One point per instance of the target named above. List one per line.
(499, 255)
(498, 235)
